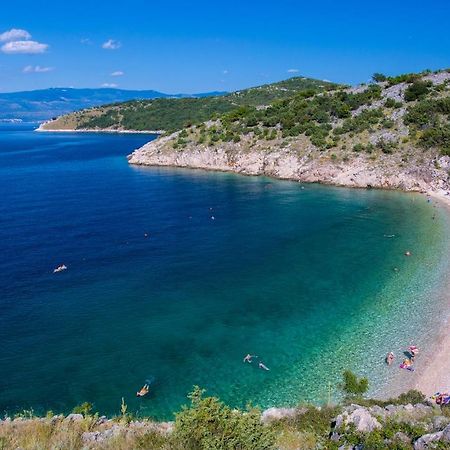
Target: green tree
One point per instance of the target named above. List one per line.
(208, 424)
(417, 90)
(378, 77)
(354, 386)
(85, 409)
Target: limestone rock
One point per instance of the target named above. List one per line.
(74, 417)
(273, 414)
(360, 418)
(423, 443)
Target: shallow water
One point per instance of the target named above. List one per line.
(302, 276)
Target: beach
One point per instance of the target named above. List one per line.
(435, 375)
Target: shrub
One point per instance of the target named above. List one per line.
(379, 77)
(417, 90)
(354, 386)
(85, 409)
(391, 103)
(208, 424)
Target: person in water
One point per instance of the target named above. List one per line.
(390, 358)
(144, 391)
(261, 365)
(249, 358)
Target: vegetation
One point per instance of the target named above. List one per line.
(354, 386)
(208, 424)
(429, 122)
(171, 114)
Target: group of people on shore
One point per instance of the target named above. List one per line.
(249, 359)
(408, 362)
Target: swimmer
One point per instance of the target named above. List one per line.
(144, 391)
(249, 357)
(261, 365)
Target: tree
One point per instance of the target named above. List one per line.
(379, 77)
(208, 424)
(354, 386)
(417, 90)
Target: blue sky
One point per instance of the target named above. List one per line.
(176, 46)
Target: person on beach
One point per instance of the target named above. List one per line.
(261, 365)
(413, 351)
(407, 364)
(390, 358)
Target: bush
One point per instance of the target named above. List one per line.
(391, 103)
(417, 90)
(85, 409)
(208, 424)
(379, 77)
(354, 386)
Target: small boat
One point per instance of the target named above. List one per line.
(60, 268)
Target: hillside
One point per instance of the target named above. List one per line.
(44, 104)
(394, 133)
(409, 422)
(170, 114)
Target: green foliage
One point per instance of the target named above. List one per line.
(85, 409)
(354, 386)
(386, 146)
(391, 103)
(379, 77)
(208, 424)
(171, 114)
(437, 137)
(430, 121)
(417, 90)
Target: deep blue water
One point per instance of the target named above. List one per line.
(300, 275)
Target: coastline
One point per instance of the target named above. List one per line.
(436, 374)
(435, 365)
(87, 130)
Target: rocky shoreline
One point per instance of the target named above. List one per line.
(42, 129)
(419, 426)
(304, 165)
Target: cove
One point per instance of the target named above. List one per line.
(175, 275)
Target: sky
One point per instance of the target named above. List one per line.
(200, 46)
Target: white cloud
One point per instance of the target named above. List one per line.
(109, 85)
(111, 44)
(86, 41)
(14, 34)
(117, 73)
(225, 72)
(36, 69)
(24, 47)
(293, 71)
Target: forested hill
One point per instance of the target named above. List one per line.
(43, 104)
(170, 114)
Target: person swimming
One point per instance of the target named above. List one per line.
(261, 365)
(249, 358)
(144, 391)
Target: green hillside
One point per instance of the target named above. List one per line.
(170, 114)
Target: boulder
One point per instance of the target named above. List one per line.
(446, 435)
(426, 441)
(74, 417)
(360, 418)
(273, 414)
(440, 422)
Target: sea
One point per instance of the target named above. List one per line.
(175, 275)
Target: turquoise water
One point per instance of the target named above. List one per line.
(301, 275)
